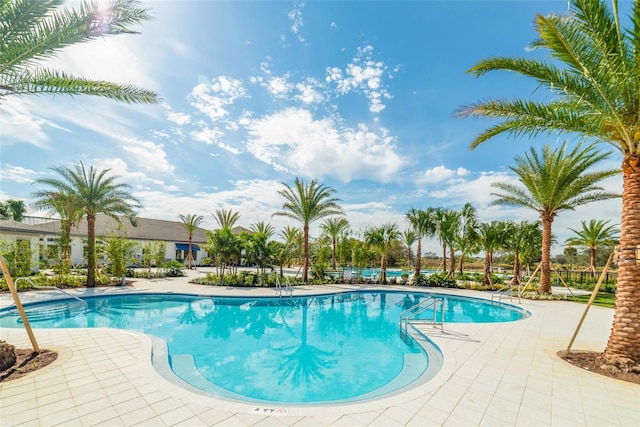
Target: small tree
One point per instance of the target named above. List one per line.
(119, 252)
(18, 255)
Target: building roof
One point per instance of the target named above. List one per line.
(146, 229)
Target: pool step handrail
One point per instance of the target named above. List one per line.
(505, 293)
(418, 308)
(287, 287)
(50, 287)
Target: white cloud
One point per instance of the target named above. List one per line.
(291, 140)
(178, 118)
(296, 16)
(364, 75)
(11, 173)
(214, 99)
(439, 174)
(150, 156)
(20, 123)
(213, 136)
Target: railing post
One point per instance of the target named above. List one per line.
(18, 303)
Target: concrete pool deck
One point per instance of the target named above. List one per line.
(501, 374)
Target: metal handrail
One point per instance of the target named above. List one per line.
(419, 308)
(287, 287)
(504, 292)
(49, 287)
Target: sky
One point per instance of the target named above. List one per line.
(358, 95)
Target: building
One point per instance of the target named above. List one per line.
(43, 234)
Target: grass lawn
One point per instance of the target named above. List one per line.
(603, 299)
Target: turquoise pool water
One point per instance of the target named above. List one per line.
(333, 348)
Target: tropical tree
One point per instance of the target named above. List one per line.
(263, 228)
(424, 224)
(226, 218)
(70, 212)
(447, 221)
(191, 224)
(13, 209)
(467, 236)
(595, 82)
(408, 238)
(293, 242)
(492, 236)
(33, 31)
(596, 233)
(334, 227)
(307, 203)
(519, 237)
(381, 238)
(554, 181)
(95, 192)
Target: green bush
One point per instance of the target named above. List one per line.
(173, 268)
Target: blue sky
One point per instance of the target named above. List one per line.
(359, 95)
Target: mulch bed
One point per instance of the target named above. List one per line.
(27, 361)
(590, 362)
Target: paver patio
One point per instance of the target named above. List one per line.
(501, 374)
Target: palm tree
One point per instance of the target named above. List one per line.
(467, 237)
(381, 238)
(36, 30)
(446, 230)
(408, 238)
(12, 209)
(334, 227)
(70, 212)
(424, 224)
(554, 181)
(191, 223)
(293, 241)
(226, 218)
(95, 193)
(307, 203)
(596, 233)
(492, 237)
(520, 236)
(263, 228)
(595, 80)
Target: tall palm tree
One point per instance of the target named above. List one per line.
(293, 241)
(36, 30)
(70, 213)
(191, 224)
(424, 224)
(333, 228)
(408, 238)
(307, 203)
(13, 209)
(381, 238)
(226, 218)
(96, 193)
(554, 181)
(446, 229)
(596, 233)
(520, 236)
(492, 237)
(467, 237)
(595, 82)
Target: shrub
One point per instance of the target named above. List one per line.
(173, 269)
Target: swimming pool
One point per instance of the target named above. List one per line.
(308, 350)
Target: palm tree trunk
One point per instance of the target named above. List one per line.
(190, 254)
(461, 264)
(592, 261)
(305, 261)
(486, 270)
(383, 269)
(624, 341)
(444, 257)
(545, 270)
(418, 267)
(452, 261)
(66, 247)
(515, 281)
(333, 253)
(91, 251)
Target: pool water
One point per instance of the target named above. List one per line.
(334, 348)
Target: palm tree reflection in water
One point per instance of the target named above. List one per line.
(306, 363)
